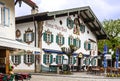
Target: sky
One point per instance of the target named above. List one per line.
(103, 9)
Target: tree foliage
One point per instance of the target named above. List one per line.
(112, 29)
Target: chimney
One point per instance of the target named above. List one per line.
(34, 10)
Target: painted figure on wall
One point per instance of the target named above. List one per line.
(76, 29)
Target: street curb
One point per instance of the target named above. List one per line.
(59, 75)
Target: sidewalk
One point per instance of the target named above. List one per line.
(74, 75)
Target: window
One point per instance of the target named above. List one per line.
(82, 28)
(48, 37)
(16, 59)
(4, 15)
(59, 59)
(72, 60)
(87, 45)
(87, 61)
(29, 36)
(28, 59)
(93, 62)
(70, 40)
(78, 43)
(1, 13)
(60, 39)
(70, 22)
(47, 58)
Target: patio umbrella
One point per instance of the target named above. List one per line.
(105, 52)
(117, 57)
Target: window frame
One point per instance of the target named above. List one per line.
(59, 59)
(87, 47)
(60, 39)
(28, 36)
(6, 17)
(47, 58)
(1, 13)
(28, 58)
(78, 43)
(16, 59)
(71, 40)
(71, 60)
(48, 35)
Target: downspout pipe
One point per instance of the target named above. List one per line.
(35, 40)
(35, 30)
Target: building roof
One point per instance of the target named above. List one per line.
(28, 2)
(85, 13)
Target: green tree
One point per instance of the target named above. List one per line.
(69, 52)
(112, 29)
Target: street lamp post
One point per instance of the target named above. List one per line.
(112, 52)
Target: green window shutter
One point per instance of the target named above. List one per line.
(74, 42)
(32, 34)
(79, 43)
(69, 41)
(83, 29)
(67, 21)
(44, 58)
(69, 60)
(71, 23)
(74, 61)
(32, 58)
(89, 46)
(57, 39)
(51, 37)
(84, 61)
(25, 58)
(62, 59)
(44, 36)
(12, 58)
(85, 45)
(63, 40)
(57, 59)
(24, 37)
(51, 59)
(19, 59)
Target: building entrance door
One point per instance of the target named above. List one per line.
(79, 64)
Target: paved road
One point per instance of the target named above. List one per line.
(74, 77)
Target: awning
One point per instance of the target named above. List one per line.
(13, 44)
(60, 52)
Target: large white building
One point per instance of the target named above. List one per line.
(51, 31)
(7, 35)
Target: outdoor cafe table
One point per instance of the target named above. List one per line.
(114, 70)
(96, 70)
